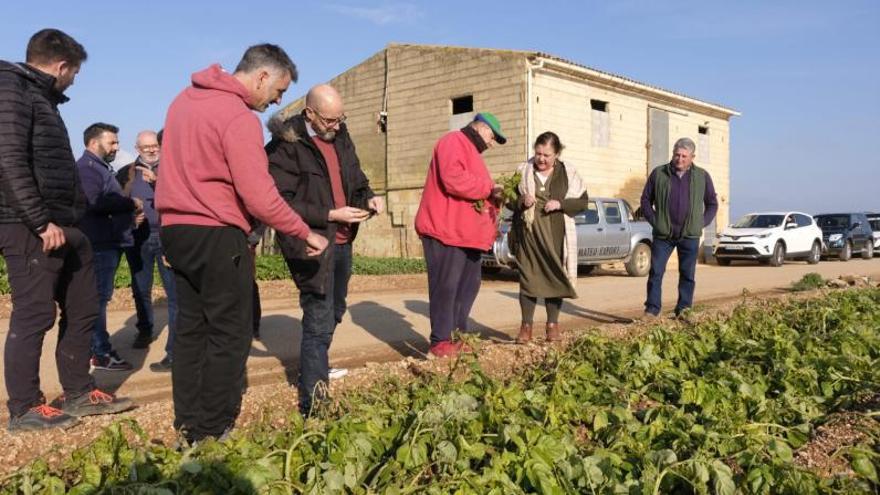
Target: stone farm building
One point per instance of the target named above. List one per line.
(403, 98)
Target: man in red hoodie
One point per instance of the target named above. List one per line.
(214, 182)
(456, 222)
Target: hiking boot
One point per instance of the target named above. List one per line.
(110, 362)
(448, 348)
(143, 340)
(685, 316)
(163, 366)
(649, 316)
(42, 417)
(525, 334)
(95, 402)
(554, 334)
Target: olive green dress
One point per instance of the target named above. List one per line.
(539, 252)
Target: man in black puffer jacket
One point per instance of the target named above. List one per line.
(48, 260)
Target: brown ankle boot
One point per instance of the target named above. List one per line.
(525, 334)
(554, 334)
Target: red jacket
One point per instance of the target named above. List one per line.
(456, 179)
(214, 169)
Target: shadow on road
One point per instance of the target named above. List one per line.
(281, 335)
(572, 309)
(484, 331)
(390, 327)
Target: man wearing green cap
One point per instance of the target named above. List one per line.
(454, 229)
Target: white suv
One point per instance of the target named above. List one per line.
(770, 238)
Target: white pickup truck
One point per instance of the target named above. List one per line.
(606, 232)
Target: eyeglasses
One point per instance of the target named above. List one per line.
(329, 122)
(148, 147)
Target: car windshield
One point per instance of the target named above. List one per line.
(759, 222)
(875, 224)
(833, 221)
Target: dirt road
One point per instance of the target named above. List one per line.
(383, 325)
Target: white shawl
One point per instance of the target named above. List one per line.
(576, 188)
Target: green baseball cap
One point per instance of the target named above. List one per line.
(492, 121)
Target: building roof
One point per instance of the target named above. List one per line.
(544, 59)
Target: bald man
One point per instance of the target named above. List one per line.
(138, 180)
(316, 169)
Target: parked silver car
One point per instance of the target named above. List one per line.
(606, 232)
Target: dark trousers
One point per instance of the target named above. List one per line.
(106, 261)
(321, 314)
(142, 257)
(661, 250)
(453, 284)
(214, 278)
(38, 280)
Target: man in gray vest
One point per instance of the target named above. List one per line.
(679, 201)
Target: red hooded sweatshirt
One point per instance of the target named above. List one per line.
(456, 179)
(214, 168)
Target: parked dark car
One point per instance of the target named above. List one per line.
(846, 233)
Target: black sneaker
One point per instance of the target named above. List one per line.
(110, 362)
(95, 402)
(42, 417)
(162, 366)
(143, 340)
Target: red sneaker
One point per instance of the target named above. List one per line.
(448, 348)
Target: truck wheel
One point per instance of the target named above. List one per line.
(815, 253)
(723, 261)
(868, 252)
(639, 263)
(491, 270)
(846, 252)
(586, 269)
(778, 257)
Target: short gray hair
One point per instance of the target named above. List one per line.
(269, 56)
(685, 144)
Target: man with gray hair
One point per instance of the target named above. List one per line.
(138, 180)
(679, 201)
(214, 183)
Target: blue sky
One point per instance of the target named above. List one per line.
(805, 74)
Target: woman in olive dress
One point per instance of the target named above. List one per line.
(544, 240)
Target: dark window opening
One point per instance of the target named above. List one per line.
(462, 104)
(703, 130)
(599, 105)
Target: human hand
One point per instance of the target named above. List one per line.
(138, 205)
(348, 214)
(139, 218)
(377, 204)
(528, 200)
(53, 237)
(315, 244)
(148, 175)
(552, 205)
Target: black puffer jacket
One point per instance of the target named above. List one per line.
(301, 175)
(38, 178)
